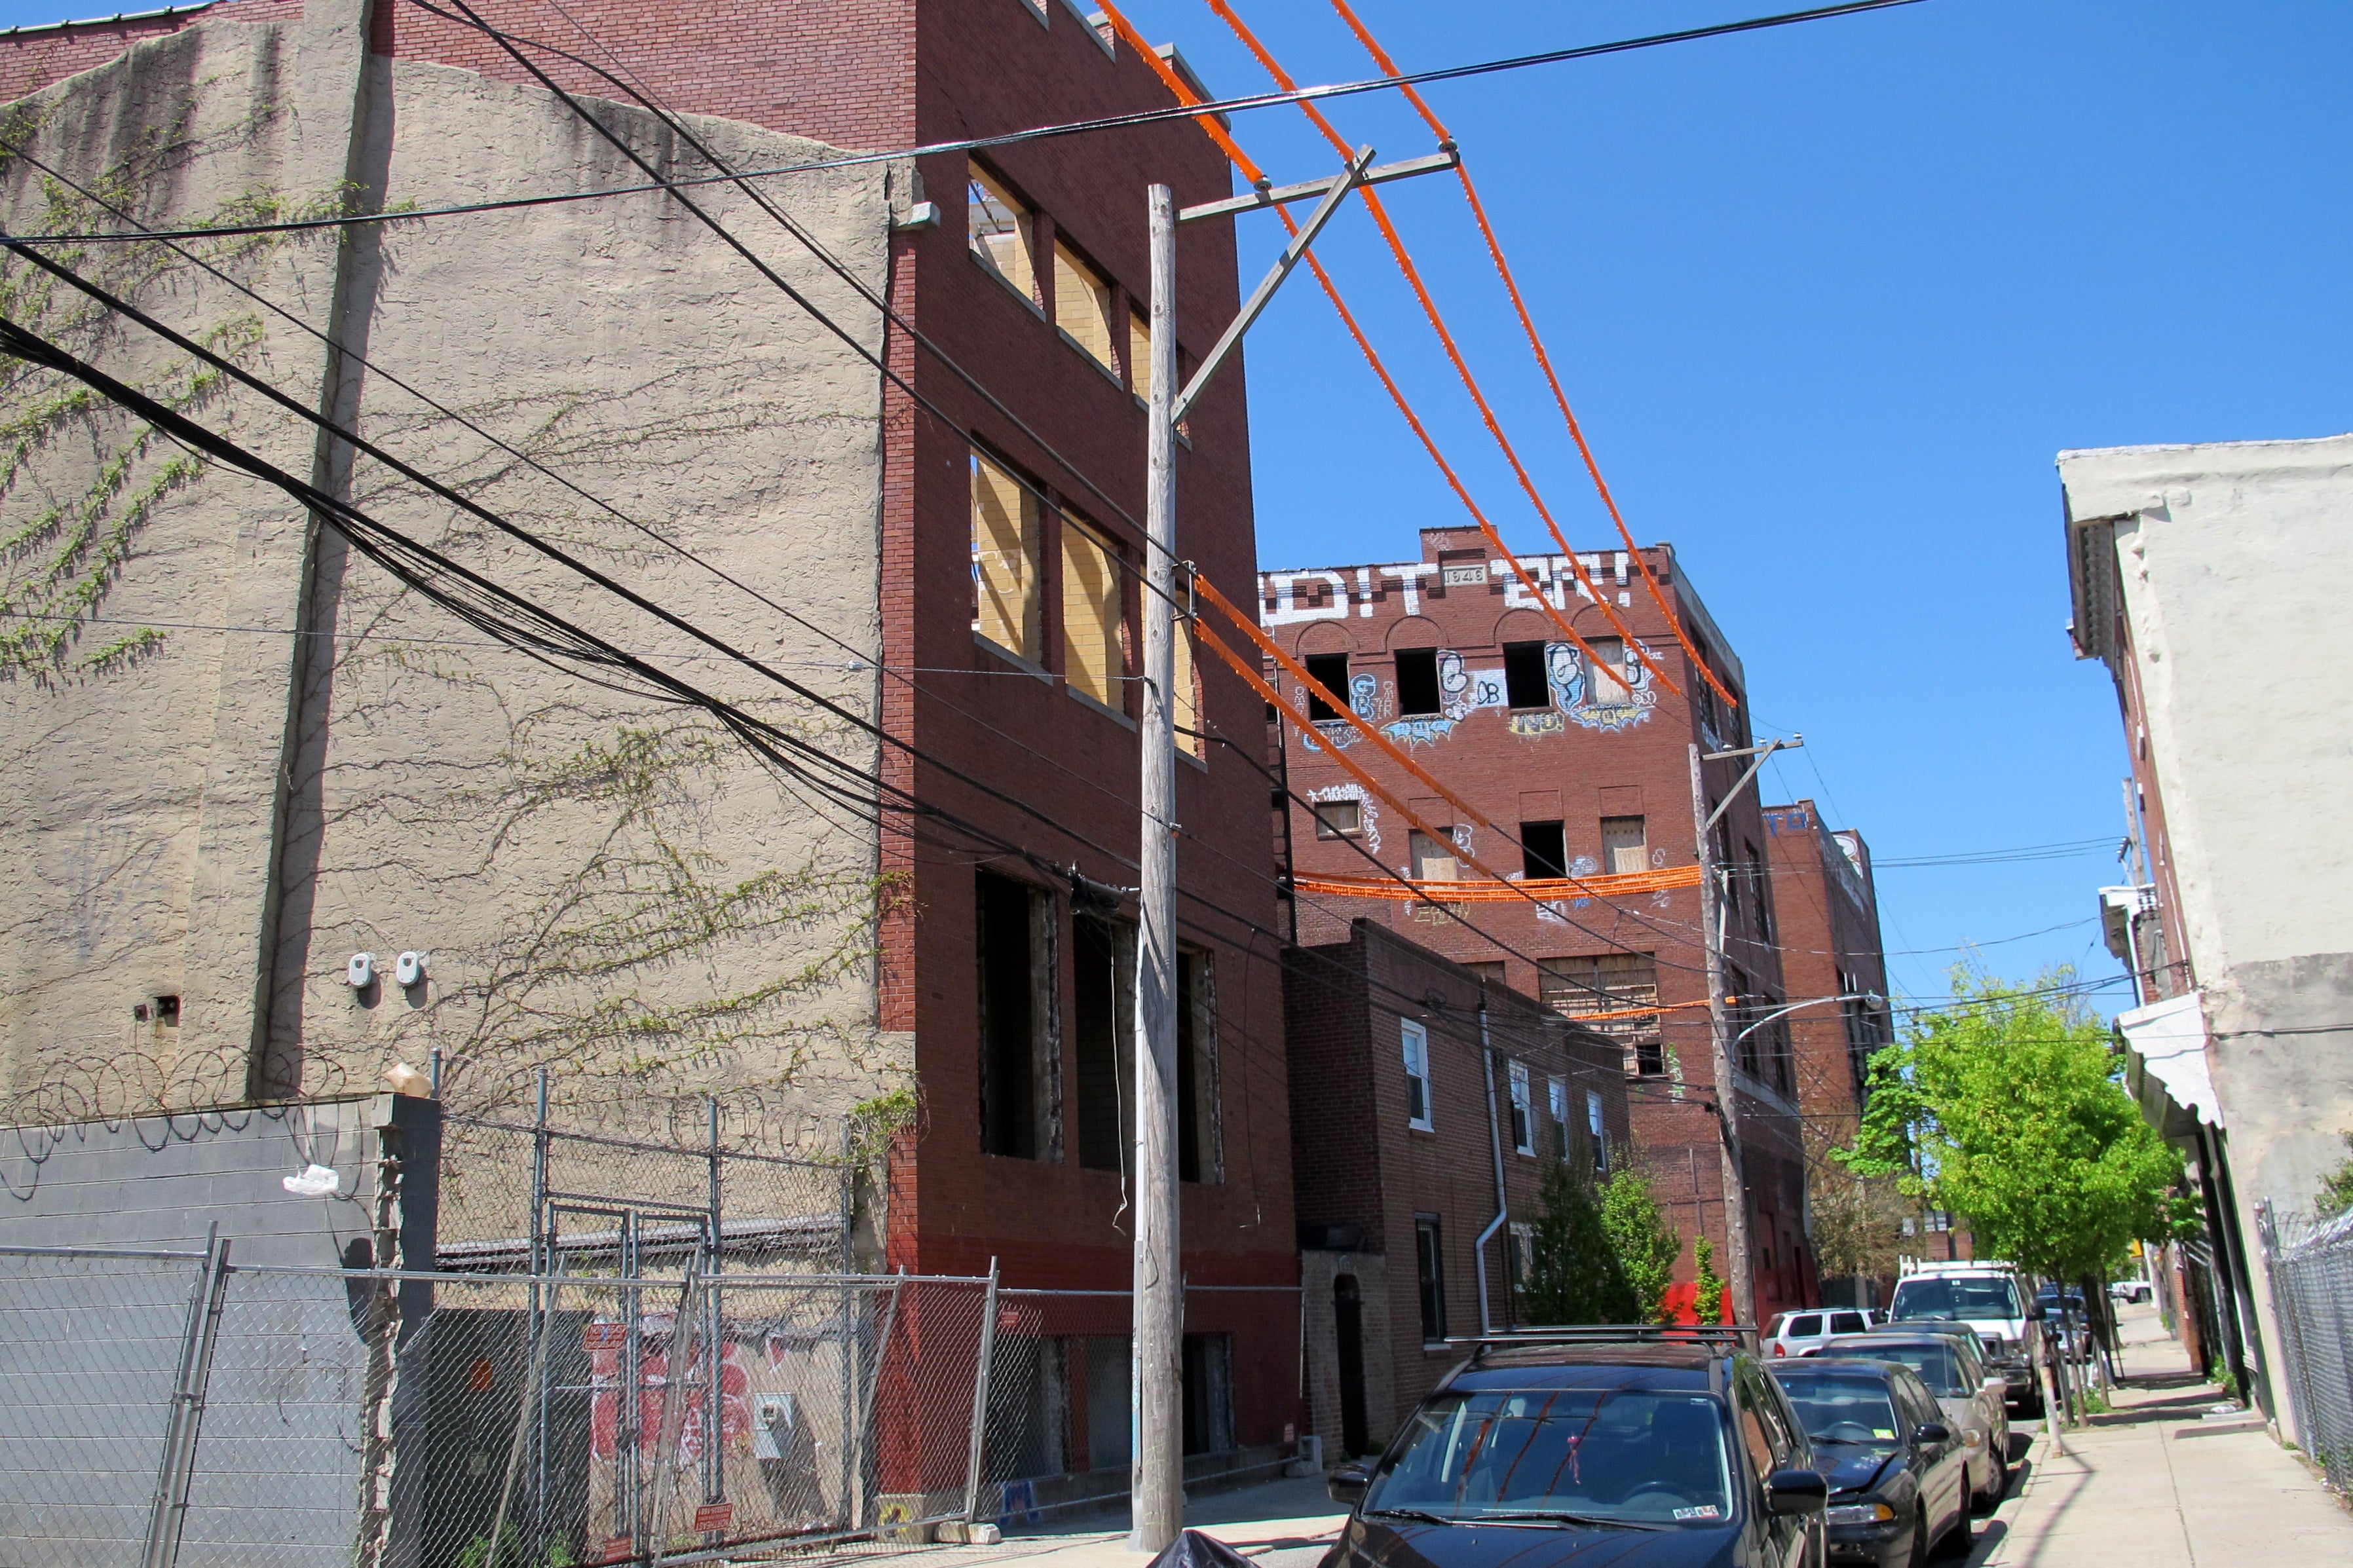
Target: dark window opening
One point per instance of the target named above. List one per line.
(1196, 1075)
(1430, 1266)
(1525, 684)
(167, 1011)
(1103, 971)
(1009, 952)
(1209, 1393)
(1544, 850)
(1417, 683)
(1328, 692)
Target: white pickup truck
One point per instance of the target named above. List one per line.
(1997, 1306)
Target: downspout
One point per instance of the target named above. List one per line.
(1496, 1141)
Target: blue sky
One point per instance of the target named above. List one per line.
(1829, 300)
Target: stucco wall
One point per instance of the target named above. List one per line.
(608, 888)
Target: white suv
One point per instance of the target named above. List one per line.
(1995, 1303)
(1795, 1334)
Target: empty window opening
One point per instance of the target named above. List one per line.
(1624, 849)
(1199, 1157)
(168, 1012)
(1083, 305)
(1209, 1393)
(1001, 228)
(1417, 1075)
(1417, 683)
(1429, 1270)
(1433, 858)
(1525, 683)
(1327, 675)
(1607, 684)
(1523, 1118)
(1102, 972)
(1339, 818)
(1008, 590)
(1544, 850)
(1012, 942)
(1093, 640)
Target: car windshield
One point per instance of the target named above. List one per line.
(1644, 1457)
(1938, 1367)
(1851, 1411)
(1980, 1298)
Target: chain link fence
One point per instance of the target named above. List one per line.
(2311, 1273)
(173, 1407)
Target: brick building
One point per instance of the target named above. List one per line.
(1585, 762)
(1831, 946)
(1418, 1085)
(1002, 588)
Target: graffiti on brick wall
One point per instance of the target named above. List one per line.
(1608, 699)
(1368, 816)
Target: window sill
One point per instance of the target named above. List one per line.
(990, 645)
(1088, 354)
(1102, 707)
(1004, 282)
(1427, 1129)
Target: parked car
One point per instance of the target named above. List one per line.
(2132, 1291)
(1795, 1334)
(1655, 1446)
(1971, 1395)
(1898, 1476)
(2066, 1320)
(1990, 1299)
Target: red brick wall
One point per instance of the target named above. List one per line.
(33, 58)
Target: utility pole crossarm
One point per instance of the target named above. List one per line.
(1340, 184)
(1761, 753)
(1280, 195)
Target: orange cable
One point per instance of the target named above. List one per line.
(1241, 161)
(1544, 889)
(1536, 342)
(1267, 645)
(1406, 265)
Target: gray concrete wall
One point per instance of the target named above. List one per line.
(2230, 562)
(301, 760)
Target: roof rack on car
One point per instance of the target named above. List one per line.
(1734, 1334)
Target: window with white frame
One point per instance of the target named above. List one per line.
(1523, 1253)
(1557, 1102)
(1598, 1127)
(1417, 1075)
(1524, 1121)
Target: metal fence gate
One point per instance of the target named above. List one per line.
(2311, 1272)
(164, 1406)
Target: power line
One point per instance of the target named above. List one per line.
(1034, 133)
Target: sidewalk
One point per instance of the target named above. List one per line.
(2155, 1485)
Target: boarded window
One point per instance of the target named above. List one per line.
(1433, 858)
(1328, 685)
(1199, 1152)
(1093, 656)
(1339, 819)
(1624, 983)
(1186, 692)
(1416, 1073)
(1139, 354)
(1417, 683)
(1525, 684)
(1007, 580)
(1083, 305)
(1544, 850)
(1014, 924)
(1623, 846)
(1002, 230)
(1606, 686)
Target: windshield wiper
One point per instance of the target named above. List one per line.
(1600, 1521)
(1850, 1442)
(1419, 1516)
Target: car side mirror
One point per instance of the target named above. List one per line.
(1994, 1386)
(1348, 1483)
(1796, 1491)
(2035, 1313)
(1932, 1433)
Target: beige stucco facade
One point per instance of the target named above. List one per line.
(254, 753)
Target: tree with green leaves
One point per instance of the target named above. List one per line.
(1707, 1288)
(2006, 1107)
(1574, 1272)
(1646, 1246)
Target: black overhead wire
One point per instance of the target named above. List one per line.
(1003, 139)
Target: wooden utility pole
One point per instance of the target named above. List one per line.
(1727, 1095)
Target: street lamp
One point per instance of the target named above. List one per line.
(1874, 997)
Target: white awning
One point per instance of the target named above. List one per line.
(2167, 1041)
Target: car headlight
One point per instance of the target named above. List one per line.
(1860, 1513)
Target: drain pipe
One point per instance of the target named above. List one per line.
(1496, 1141)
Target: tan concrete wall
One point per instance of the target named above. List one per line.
(609, 889)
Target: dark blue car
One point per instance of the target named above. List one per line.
(1898, 1475)
(1625, 1447)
